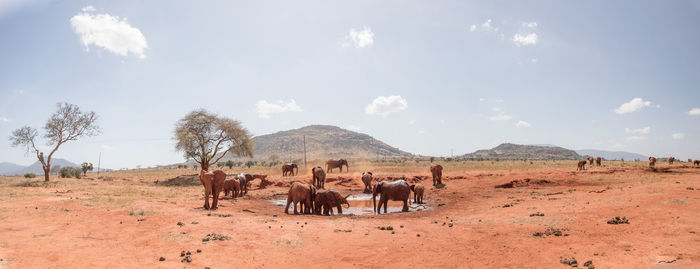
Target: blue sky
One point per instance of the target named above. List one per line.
(427, 77)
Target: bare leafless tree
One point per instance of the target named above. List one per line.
(207, 138)
(68, 123)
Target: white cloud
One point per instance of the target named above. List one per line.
(530, 24)
(678, 136)
(497, 109)
(486, 26)
(482, 100)
(384, 106)
(106, 148)
(635, 138)
(442, 122)
(264, 108)
(3, 119)
(354, 128)
(522, 124)
(499, 100)
(472, 28)
(108, 32)
(694, 112)
(644, 130)
(359, 39)
(411, 122)
(633, 105)
(421, 131)
(525, 40)
(533, 60)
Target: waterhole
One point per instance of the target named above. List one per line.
(361, 204)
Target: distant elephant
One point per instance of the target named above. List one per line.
(244, 180)
(367, 180)
(336, 163)
(319, 177)
(213, 184)
(394, 191)
(301, 193)
(327, 200)
(671, 160)
(288, 169)
(590, 161)
(418, 191)
(597, 161)
(232, 185)
(652, 161)
(696, 163)
(581, 165)
(436, 170)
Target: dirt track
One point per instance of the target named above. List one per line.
(474, 224)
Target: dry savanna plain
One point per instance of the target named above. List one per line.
(543, 214)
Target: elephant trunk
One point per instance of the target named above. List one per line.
(374, 201)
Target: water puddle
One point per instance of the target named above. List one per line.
(361, 204)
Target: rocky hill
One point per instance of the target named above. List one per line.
(514, 151)
(322, 141)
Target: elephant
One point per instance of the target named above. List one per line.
(436, 170)
(319, 177)
(581, 165)
(418, 191)
(213, 184)
(590, 161)
(671, 160)
(232, 185)
(367, 180)
(336, 163)
(652, 161)
(696, 163)
(597, 161)
(301, 193)
(288, 168)
(244, 180)
(394, 191)
(327, 199)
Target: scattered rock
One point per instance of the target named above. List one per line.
(690, 188)
(589, 264)
(199, 250)
(342, 231)
(194, 222)
(140, 219)
(188, 253)
(618, 220)
(538, 214)
(570, 262)
(182, 254)
(387, 228)
(188, 259)
(161, 259)
(215, 236)
(550, 231)
(450, 225)
(180, 223)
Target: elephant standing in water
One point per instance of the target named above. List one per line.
(436, 170)
(418, 191)
(336, 163)
(394, 191)
(301, 193)
(367, 180)
(327, 200)
(288, 169)
(319, 177)
(213, 184)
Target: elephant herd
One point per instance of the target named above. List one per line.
(288, 168)
(652, 162)
(216, 181)
(315, 199)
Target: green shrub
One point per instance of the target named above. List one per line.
(29, 175)
(66, 172)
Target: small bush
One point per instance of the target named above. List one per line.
(67, 172)
(29, 175)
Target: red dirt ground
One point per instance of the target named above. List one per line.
(474, 225)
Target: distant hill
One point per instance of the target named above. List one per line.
(612, 155)
(36, 167)
(322, 141)
(9, 168)
(514, 151)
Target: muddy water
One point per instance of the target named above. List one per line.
(361, 204)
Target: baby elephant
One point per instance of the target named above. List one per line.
(327, 199)
(367, 180)
(417, 190)
(231, 185)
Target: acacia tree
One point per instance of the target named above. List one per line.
(86, 166)
(206, 138)
(68, 123)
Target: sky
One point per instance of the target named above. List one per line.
(429, 77)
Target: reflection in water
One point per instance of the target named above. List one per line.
(361, 204)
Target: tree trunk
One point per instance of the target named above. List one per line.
(204, 166)
(47, 170)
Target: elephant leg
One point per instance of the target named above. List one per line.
(225, 192)
(206, 198)
(295, 208)
(215, 198)
(340, 210)
(385, 202)
(286, 209)
(405, 205)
